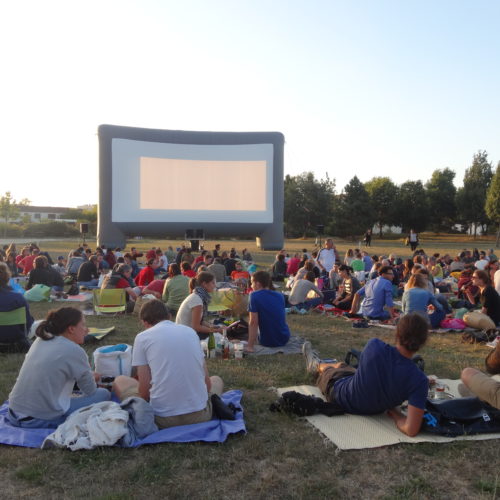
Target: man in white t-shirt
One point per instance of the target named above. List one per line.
(327, 256)
(171, 370)
(496, 277)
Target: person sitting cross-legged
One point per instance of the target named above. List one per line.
(171, 370)
(377, 294)
(385, 377)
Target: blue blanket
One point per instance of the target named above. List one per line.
(213, 431)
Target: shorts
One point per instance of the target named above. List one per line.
(486, 388)
(194, 417)
(329, 376)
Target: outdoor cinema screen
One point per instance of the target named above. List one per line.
(167, 182)
(191, 183)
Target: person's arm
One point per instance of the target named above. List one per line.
(356, 300)
(197, 325)
(409, 425)
(253, 328)
(131, 293)
(144, 377)
(208, 382)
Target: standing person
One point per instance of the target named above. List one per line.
(41, 396)
(368, 238)
(267, 322)
(378, 295)
(176, 289)
(216, 251)
(327, 257)
(171, 371)
(386, 377)
(413, 240)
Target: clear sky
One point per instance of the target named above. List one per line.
(358, 87)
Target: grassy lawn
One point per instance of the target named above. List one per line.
(280, 457)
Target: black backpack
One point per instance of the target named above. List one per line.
(456, 417)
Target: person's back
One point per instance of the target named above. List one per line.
(377, 293)
(270, 306)
(384, 379)
(87, 271)
(218, 270)
(300, 291)
(416, 300)
(175, 291)
(175, 358)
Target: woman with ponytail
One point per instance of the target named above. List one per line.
(41, 396)
(194, 308)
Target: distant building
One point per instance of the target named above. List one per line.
(42, 214)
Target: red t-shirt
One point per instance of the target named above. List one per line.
(236, 275)
(26, 264)
(151, 254)
(122, 283)
(189, 274)
(145, 276)
(156, 286)
(293, 266)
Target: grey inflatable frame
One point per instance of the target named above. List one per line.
(269, 236)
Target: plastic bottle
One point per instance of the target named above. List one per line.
(225, 345)
(211, 345)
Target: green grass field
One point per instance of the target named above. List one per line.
(280, 456)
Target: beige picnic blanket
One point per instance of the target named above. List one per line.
(355, 432)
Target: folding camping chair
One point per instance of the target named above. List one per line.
(12, 318)
(112, 300)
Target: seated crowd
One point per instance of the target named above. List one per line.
(167, 353)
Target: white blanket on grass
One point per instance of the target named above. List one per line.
(355, 432)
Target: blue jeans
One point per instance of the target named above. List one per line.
(89, 284)
(436, 317)
(309, 303)
(99, 396)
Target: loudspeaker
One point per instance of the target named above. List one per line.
(195, 245)
(189, 235)
(84, 228)
(320, 228)
(200, 234)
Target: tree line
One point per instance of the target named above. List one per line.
(435, 206)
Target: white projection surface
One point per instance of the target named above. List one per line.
(161, 182)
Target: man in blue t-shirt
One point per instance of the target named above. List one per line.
(386, 377)
(377, 294)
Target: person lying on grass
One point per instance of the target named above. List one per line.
(386, 377)
(171, 370)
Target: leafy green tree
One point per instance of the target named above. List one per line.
(441, 195)
(9, 208)
(382, 193)
(492, 205)
(412, 206)
(471, 197)
(308, 202)
(353, 212)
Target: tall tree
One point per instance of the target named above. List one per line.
(441, 194)
(412, 206)
(9, 208)
(353, 212)
(492, 205)
(308, 202)
(471, 197)
(382, 193)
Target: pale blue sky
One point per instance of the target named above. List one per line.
(392, 88)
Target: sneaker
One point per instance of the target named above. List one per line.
(302, 311)
(312, 359)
